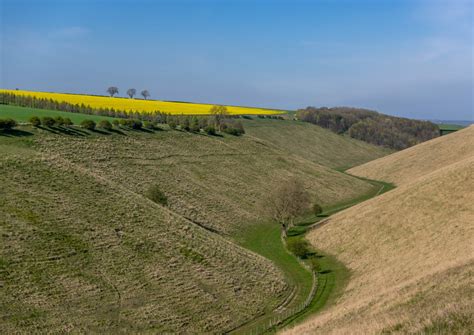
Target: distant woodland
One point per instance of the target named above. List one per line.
(370, 126)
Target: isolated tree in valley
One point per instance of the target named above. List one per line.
(145, 94)
(131, 92)
(287, 202)
(112, 90)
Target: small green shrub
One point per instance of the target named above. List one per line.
(116, 123)
(67, 122)
(172, 124)
(156, 195)
(210, 129)
(88, 124)
(7, 124)
(317, 209)
(298, 246)
(59, 121)
(35, 121)
(232, 127)
(48, 121)
(104, 124)
(152, 125)
(194, 126)
(131, 123)
(314, 263)
(136, 124)
(185, 124)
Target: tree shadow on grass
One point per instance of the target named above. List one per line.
(100, 131)
(65, 131)
(15, 133)
(118, 132)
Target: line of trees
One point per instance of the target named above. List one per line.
(371, 126)
(131, 92)
(219, 119)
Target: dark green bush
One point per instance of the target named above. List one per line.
(136, 124)
(156, 195)
(59, 121)
(7, 124)
(116, 123)
(35, 121)
(298, 246)
(104, 124)
(194, 126)
(232, 127)
(317, 209)
(131, 123)
(88, 124)
(210, 129)
(68, 122)
(185, 124)
(172, 124)
(48, 121)
(314, 263)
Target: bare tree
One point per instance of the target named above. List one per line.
(145, 94)
(131, 92)
(288, 201)
(112, 90)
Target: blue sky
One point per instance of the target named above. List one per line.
(409, 58)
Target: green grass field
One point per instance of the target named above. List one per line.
(23, 114)
(451, 127)
(81, 245)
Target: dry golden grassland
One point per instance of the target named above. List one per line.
(410, 251)
(407, 165)
(83, 250)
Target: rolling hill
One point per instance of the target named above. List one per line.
(409, 251)
(405, 166)
(83, 250)
(313, 142)
(217, 182)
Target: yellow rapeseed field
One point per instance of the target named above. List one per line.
(140, 105)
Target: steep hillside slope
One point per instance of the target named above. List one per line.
(314, 143)
(407, 165)
(217, 182)
(83, 250)
(410, 252)
(81, 253)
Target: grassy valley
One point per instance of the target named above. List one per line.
(85, 249)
